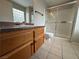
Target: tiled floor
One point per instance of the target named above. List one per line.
(57, 48)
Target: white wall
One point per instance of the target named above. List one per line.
(39, 5)
(5, 11)
(75, 35)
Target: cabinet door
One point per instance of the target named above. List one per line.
(39, 43)
(39, 32)
(23, 52)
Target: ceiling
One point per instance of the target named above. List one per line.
(25, 3)
(49, 3)
(56, 2)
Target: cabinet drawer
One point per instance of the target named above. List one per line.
(39, 43)
(12, 40)
(23, 52)
(39, 32)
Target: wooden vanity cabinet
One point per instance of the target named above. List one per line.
(21, 44)
(39, 38)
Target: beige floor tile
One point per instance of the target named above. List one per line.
(69, 56)
(68, 52)
(57, 46)
(34, 57)
(76, 49)
(45, 47)
(68, 49)
(56, 51)
(52, 56)
(41, 54)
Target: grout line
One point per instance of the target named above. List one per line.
(62, 50)
(47, 54)
(50, 48)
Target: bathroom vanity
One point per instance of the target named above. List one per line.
(20, 42)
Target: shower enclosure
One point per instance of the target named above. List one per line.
(60, 21)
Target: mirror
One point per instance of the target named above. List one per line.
(16, 11)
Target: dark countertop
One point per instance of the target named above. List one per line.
(17, 27)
